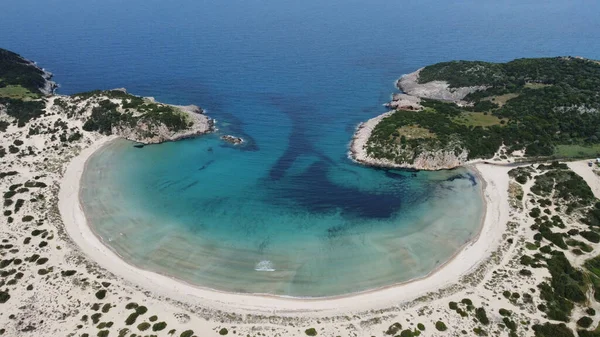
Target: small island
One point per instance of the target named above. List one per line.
(455, 112)
(232, 139)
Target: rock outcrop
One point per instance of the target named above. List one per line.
(139, 119)
(439, 160)
(439, 90)
(49, 85)
(420, 159)
(442, 159)
(151, 133)
(232, 139)
(405, 102)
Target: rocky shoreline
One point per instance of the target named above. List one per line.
(410, 99)
(438, 90)
(426, 161)
(202, 124)
(50, 86)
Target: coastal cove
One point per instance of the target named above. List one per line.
(465, 261)
(291, 169)
(299, 235)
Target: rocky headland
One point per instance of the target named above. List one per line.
(410, 100)
(452, 113)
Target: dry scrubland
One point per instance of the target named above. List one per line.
(49, 288)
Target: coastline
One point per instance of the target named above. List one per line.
(428, 161)
(466, 259)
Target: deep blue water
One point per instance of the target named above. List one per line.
(293, 78)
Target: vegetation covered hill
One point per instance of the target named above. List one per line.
(24, 98)
(549, 107)
(17, 73)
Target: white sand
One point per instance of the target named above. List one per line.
(497, 210)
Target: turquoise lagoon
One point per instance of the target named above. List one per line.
(293, 78)
(238, 220)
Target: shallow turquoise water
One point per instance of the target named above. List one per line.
(293, 78)
(222, 218)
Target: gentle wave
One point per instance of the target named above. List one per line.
(264, 265)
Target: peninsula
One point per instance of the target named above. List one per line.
(452, 113)
(533, 270)
(27, 95)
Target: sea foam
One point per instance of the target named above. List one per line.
(264, 265)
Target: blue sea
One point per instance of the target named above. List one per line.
(287, 213)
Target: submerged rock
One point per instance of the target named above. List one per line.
(232, 139)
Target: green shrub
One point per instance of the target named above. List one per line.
(535, 212)
(407, 333)
(552, 330)
(479, 332)
(68, 272)
(482, 316)
(586, 333)
(153, 318)
(441, 326)
(585, 322)
(421, 327)
(510, 324)
(310, 332)
(224, 332)
(159, 326)
(590, 236)
(96, 317)
(393, 329)
(100, 294)
(143, 326)
(187, 333)
(4, 296)
(504, 312)
(141, 310)
(131, 318)
(525, 272)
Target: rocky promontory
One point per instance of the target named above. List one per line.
(140, 119)
(449, 113)
(410, 100)
(27, 94)
(441, 159)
